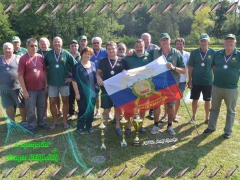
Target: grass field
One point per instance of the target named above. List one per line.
(83, 151)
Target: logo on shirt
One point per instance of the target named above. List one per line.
(145, 58)
(233, 60)
(209, 56)
(62, 59)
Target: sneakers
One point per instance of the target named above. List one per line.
(151, 115)
(206, 122)
(90, 130)
(97, 116)
(119, 132)
(24, 124)
(44, 126)
(171, 130)
(80, 131)
(192, 121)
(142, 130)
(162, 120)
(65, 126)
(208, 130)
(128, 132)
(175, 119)
(53, 125)
(227, 136)
(70, 118)
(155, 129)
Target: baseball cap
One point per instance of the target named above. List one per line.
(204, 36)
(164, 35)
(74, 41)
(83, 37)
(230, 36)
(16, 39)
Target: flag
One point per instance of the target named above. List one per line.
(142, 88)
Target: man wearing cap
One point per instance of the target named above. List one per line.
(82, 43)
(226, 66)
(18, 50)
(175, 63)
(98, 54)
(200, 76)
(58, 60)
(74, 51)
(33, 80)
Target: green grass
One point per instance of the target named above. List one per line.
(190, 150)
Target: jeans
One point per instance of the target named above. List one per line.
(36, 100)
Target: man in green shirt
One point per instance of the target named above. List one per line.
(139, 58)
(58, 61)
(226, 66)
(175, 63)
(200, 76)
(82, 43)
(18, 50)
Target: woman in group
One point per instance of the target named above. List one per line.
(86, 90)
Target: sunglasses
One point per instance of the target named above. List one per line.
(96, 43)
(33, 46)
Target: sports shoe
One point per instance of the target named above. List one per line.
(128, 132)
(227, 136)
(155, 129)
(175, 119)
(142, 130)
(208, 130)
(119, 132)
(206, 122)
(24, 124)
(151, 114)
(90, 130)
(97, 116)
(162, 120)
(70, 118)
(43, 126)
(80, 131)
(171, 130)
(192, 121)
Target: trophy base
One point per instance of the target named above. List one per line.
(123, 144)
(137, 144)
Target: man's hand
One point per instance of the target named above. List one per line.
(77, 96)
(68, 80)
(25, 95)
(100, 81)
(170, 66)
(189, 84)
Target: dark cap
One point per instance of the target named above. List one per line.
(82, 37)
(230, 36)
(164, 35)
(73, 41)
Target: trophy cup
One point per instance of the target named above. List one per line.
(123, 123)
(137, 122)
(102, 128)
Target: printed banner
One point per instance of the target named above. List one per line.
(143, 88)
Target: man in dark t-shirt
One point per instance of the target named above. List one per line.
(107, 68)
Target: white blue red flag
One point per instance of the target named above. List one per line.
(143, 88)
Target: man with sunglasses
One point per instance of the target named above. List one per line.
(32, 77)
(98, 54)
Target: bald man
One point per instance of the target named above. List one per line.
(58, 60)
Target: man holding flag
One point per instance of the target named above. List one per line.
(176, 65)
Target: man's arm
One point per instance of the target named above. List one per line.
(98, 76)
(22, 83)
(190, 70)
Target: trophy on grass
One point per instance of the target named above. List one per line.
(137, 123)
(102, 128)
(123, 123)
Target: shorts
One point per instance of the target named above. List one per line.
(172, 103)
(53, 91)
(182, 86)
(197, 89)
(12, 98)
(106, 102)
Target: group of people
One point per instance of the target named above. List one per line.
(29, 76)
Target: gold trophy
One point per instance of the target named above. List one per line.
(123, 123)
(102, 128)
(137, 122)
